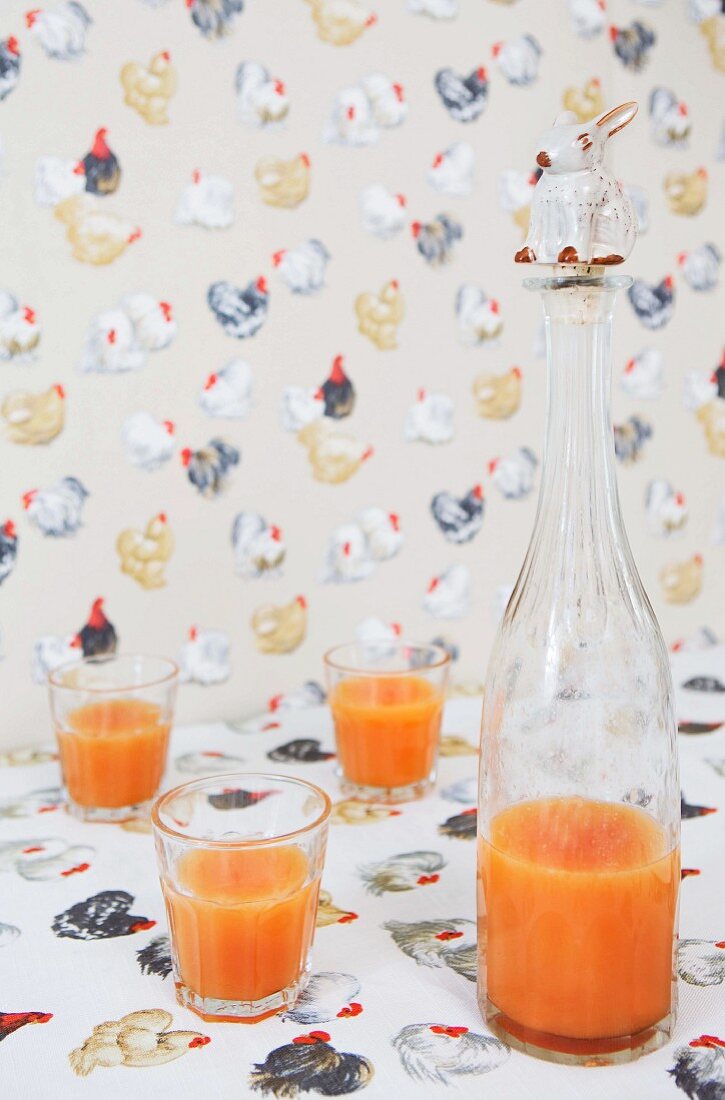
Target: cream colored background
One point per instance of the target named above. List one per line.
(55, 111)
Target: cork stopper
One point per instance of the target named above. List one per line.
(580, 216)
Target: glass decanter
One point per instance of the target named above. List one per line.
(579, 812)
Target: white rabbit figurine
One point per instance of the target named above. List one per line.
(579, 212)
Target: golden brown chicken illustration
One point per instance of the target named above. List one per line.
(148, 88)
(97, 236)
(137, 1039)
(682, 581)
(498, 396)
(144, 554)
(328, 912)
(585, 102)
(378, 315)
(341, 22)
(351, 812)
(334, 456)
(686, 192)
(33, 418)
(284, 183)
(455, 745)
(713, 30)
(712, 417)
(280, 629)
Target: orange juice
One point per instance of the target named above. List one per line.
(580, 901)
(244, 929)
(387, 728)
(113, 752)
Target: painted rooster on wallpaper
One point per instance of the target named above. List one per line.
(240, 312)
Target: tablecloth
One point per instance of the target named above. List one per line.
(391, 1007)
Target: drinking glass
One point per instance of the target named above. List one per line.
(240, 860)
(387, 705)
(112, 717)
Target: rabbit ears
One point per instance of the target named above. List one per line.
(615, 120)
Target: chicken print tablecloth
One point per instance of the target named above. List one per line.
(390, 1008)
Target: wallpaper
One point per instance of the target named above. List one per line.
(268, 377)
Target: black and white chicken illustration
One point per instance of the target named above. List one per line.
(237, 798)
(240, 312)
(701, 962)
(208, 468)
(460, 826)
(214, 18)
(630, 438)
(669, 117)
(10, 62)
(441, 1053)
(690, 809)
(337, 391)
(155, 957)
(699, 1068)
(304, 750)
(701, 267)
(438, 943)
(42, 801)
(704, 683)
(632, 44)
(8, 549)
(464, 97)
(654, 304)
(435, 240)
(459, 519)
(463, 791)
(402, 872)
(100, 917)
(310, 1064)
(328, 995)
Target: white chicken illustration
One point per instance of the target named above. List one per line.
(588, 17)
(451, 172)
(50, 652)
(137, 1039)
(699, 388)
(303, 268)
(479, 317)
(207, 201)
(56, 180)
(701, 962)
(402, 872)
(259, 548)
(40, 859)
(670, 118)
(204, 657)
(448, 595)
(464, 791)
(309, 694)
(228, 393)
(19, 329)
(438, 943)
(328, 995)
(147, 442)
(442, 1053)
(118, 339)
(210, 762)
(382, 212)
(515, 190)
(360, 112)
(376, 637)
(57, 511)
(435, 9)
(499, 603)
(300, 407)
(666, 510)
(701, 267)
(514, 476)
(429, 419)
(518, 59)
(262, 100)
(354, 549)
(643, 375)
(60, 31)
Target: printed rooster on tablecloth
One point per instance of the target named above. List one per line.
(137, 1039)
(103, 916)
(11, 1021)
(310, 1064)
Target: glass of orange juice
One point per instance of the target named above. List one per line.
(112, 718)
(240, 860)
(387, 704)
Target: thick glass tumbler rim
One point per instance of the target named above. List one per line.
(398, 648)
(244, 842)
(56, 676)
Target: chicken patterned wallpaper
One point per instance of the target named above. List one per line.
(268, 378)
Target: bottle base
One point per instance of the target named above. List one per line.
(568, 1051)
(362, 792)
(214, 1010)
